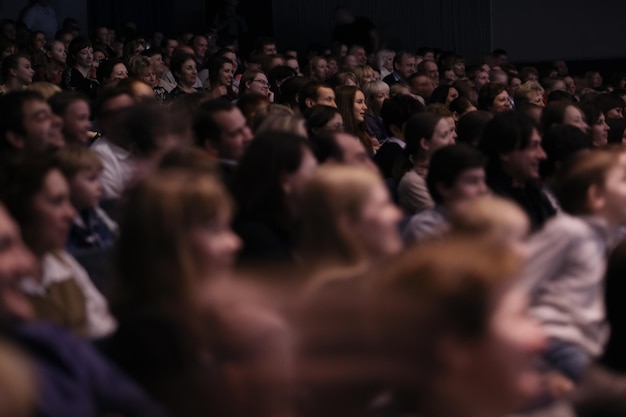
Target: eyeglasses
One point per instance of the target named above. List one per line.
(262, 82)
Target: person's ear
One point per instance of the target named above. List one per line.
(15, 140)
(444, 192)
(309, 102)
(595, 198)
(424, 144)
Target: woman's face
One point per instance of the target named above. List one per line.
(52, 212)
(98, 57)
(359, 107)
(335, 123)
(24, 71)
(452, 94)
(380, 98)
(119, 72)
(58, 53)
(259, 85)
(233, 58)
(600, 132)
(459, 68)
(368, 77)
(515, 83)
(501, 102)
(320, 70)
(388, 62)
(76, 123)
(442, 136)
(149, 77)
(376, 228)
(333, 67)
(596, 80)
(40, 41)
(84, 57)
(225, 75)
(215, 246)
(570, 86)
(615, 113)
(188, 73)
(574, 116)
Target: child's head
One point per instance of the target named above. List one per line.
(594, 183)
(82, 168)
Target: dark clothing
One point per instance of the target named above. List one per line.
(263, 244)
(73, 80)
(356, 33)
(177, 91)
(74, 380)
(530, 198)
(376, 127)
(91, 230)
(393, 78)
(387, 157)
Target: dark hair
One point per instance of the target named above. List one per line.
(107, 95)
(554, 113)
(178, 60)
(309, 90)
(61, 101)
(215, 67)
(613, 356)
(592, 111)
(460, 105)
(419, 126)
(506, 132)
(106, 68)
(617, 130)
(324, 146)
(257, 186)
(142, 125)
(204, 125)
(11, 109)
(560, 95)
(317, 116)
(608, 101)
(440, 94)
(397, 110)
(278, 74)
(561, 142)
(448, 163)
(152, 51)
(76, 45)
(400, 56)
(290, 90)
(470, 127)
(488, 93)
(11, 62)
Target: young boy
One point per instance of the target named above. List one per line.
(567, 262)
(92, 228)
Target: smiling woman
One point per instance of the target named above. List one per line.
(351, 104)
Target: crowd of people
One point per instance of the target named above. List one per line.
(189, 230)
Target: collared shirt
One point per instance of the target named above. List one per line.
(118, 167)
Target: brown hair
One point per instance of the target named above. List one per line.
(77, 157)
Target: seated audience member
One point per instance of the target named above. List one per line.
(421, 86)
(529, 92)
(494, 98)
(364, 74)
(251, 104)
(76, 76)
(75, 111)
(183, 68)
(403, 67)
(27, 125)
(596, 119)
(343, 78)
(560, 95)
(395, 112)
(255, 82)
(111, 72)
(144, 69)
(17, 73)
(290, 93)
(424, 133)
(287, 123)
(610, 105)
(443, 94)
(91, 227)
(72, 378)
(347, 221)
(323, 118)
(270, 110)
(512, 145)
(351, 105)
(276, 77)
(337, 147)
(460, 106)
(266, 187)
(112, 147)
(470, 127)
(318, 69)
(46, 90)
(456, 173)
(563, 112)
(156, 56)
(314, 93)
(55, 60)
(221, 77)
(572, 249)
(617, 131)
(59, 289)
(376, 93)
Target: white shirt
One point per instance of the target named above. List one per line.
(118, 167)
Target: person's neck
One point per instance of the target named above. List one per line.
(83, 70)
(14, 84)
(186, 87)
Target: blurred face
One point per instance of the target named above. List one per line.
(294, 65)
(43, 128)
(470, 183)
(188, 73)
(159, 65)
(596, 80)
(24, 72)
(119, 72)
(614, 193)
(600, 132)
(523, 164)
(103, 35)
(149, 77)
(259, 85)
(11, 50)
(52, 213)
(615, 113)
(535, 97)
(320, 70)
(515, 83)
(98, 57)
(225, 76)
(353, 151)
(452, 94)
(406, 67)
(233, 59)
(84, 57)
(388, 62)
(76, 123)
(442, 136)
(501, 102)
(16, 263)
(67, 39)
(481, 79)
(422, 86)
(335, 124)
(270, 49)
(236, 134)
(570, 86)
(86, 189)
(380, 98)
(215, 245)
(200, 46)
(326, 96)
(574, 116)
(368, 77)
(459, 68)
(432, 71)
(170, 45)
(359, 107)
(377, 226)
(350, 62)
(40, 41)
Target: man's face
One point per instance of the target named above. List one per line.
(523, 164)
(406, 67)
(43, 129)
(200, 46)
(482, 78)
(360, 55)
(236, 135)
(270, 49)
(422, 86)
(354, 152)
(326, 96)
(432, 71)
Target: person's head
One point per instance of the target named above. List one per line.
(470, 127)
(221, 128)
(321, 117)
(81, 168)
(376, 92)
(250, 105)
(592, 183)
(110, 107)
(168, 48)
(337, 147)
(529, 92)
(560, 142)
(596, 120)
(351, 104)
(143, 68)
(290, 92)
(404, 64)
(184, 69)
(444, 94)
(347, 217)
(254, 82)
(38, 198)
(287, 123)
(455, 173)
(17, 71)
(175, 228)
(359, 53)
(594, 79)
(266, 46)
(611, 105)
(343, 77)
(80, 53)
(460, 106)
(421, 85)
(7, 47)
(494, 98)
(429, 68)
(318, 68)
(617, 132)
(74, 109)
(221, 72)
(424, 133)
(271, 110)
(396, 111)
(111, 72)
(200, 46)
(479, 77)
(28, 123)
(55, 51)
(384, 58)
(562, 112)
(314, 93)
(364, 74)
(512, 144)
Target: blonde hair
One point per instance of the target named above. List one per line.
(138, 64)
(361, 72)
(523, 91)
(283, 123)
(266, 111)
(77, 157)
(45, 89)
